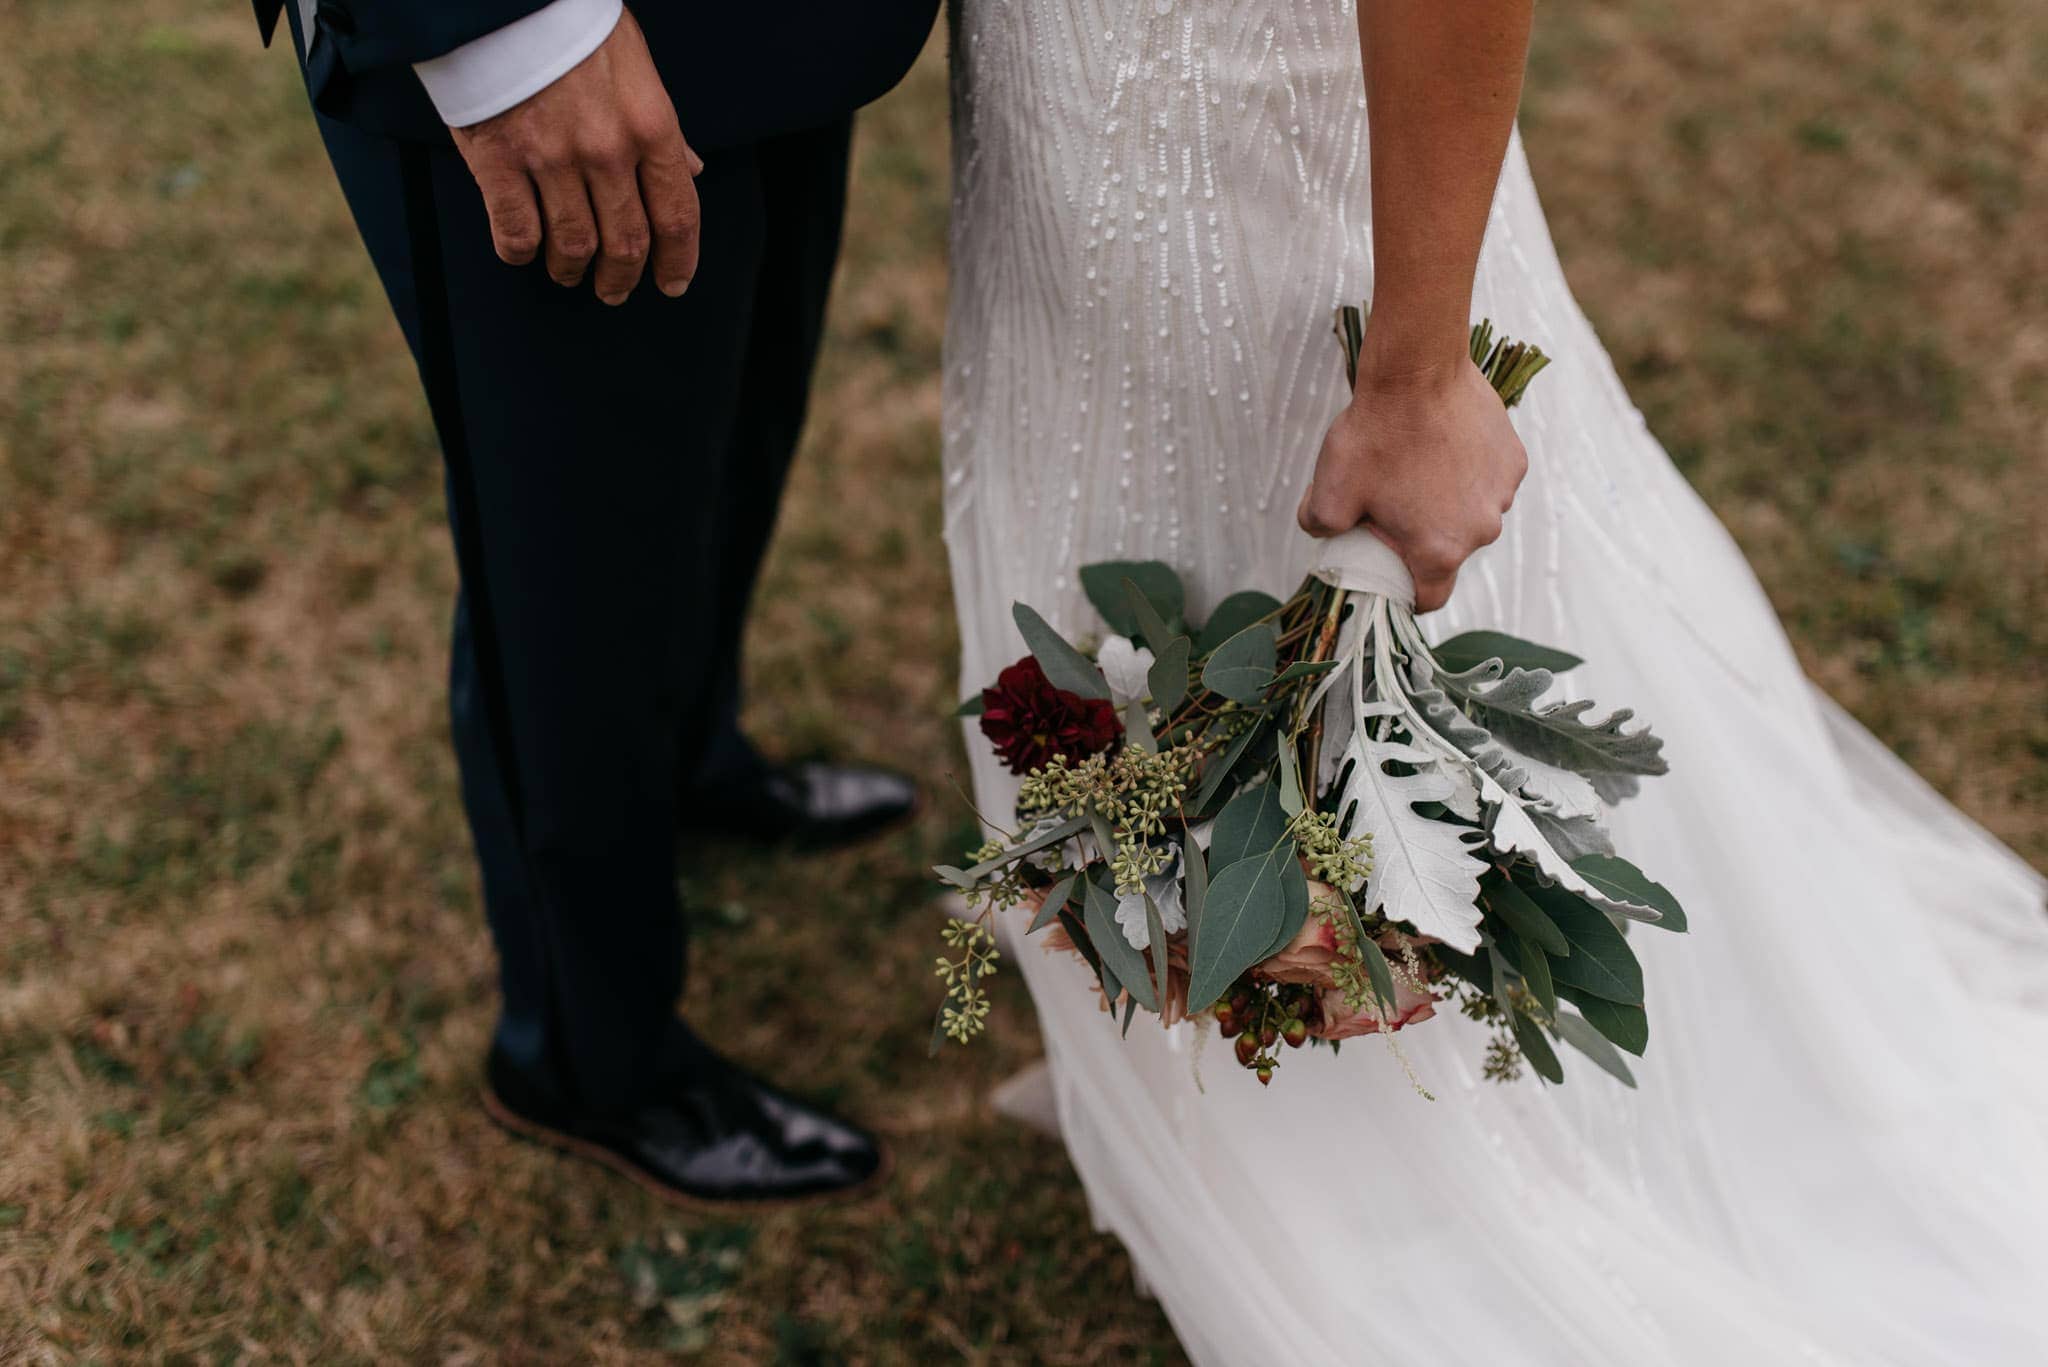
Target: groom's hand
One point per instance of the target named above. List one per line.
(1428, 460)
(593, 168)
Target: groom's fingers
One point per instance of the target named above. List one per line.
(668, 188)
(515, 218)
(621, 230)
(571, 227)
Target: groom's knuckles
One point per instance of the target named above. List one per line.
(571, 232)
(515, 222)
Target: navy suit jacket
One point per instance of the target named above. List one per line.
(738, 72)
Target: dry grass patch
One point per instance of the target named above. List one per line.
(244, 981)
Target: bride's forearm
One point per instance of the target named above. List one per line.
(1442, 82)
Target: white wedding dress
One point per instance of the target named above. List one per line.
(1839, 1148)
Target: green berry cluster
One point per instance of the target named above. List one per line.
(1134, 791)
(965, 1012)
(1339, 861)
(1503, 1061)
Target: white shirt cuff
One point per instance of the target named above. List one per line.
(489, 75)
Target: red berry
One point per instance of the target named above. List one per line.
(1268, 1033)
(1295, 1032)
(1226, 1019)
(1247, 1049)
(1266, 1076)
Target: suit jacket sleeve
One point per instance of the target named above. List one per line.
(368, 34)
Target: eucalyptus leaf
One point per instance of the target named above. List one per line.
(1295, 908)
(1078, 933)
(1151, 624)
(1246, 905)
(1379, 970)
(1536, 1048)
(1168, 678)
(1105, 839)
(1473, 968)
(1303, 669)
(1064, 666)
(1233, 615)
(1104, 584)
(1127, 963)
(1194, 893)
(1601, 961)
(1138, 727)
(1618, 881)
(1055, 901)
(1242, 666)
(1251, 824)
(1523, 916)
(1626, 1026)
(1535, 969)
(971, 707)
(1045, 839)
(1580, 1035)
(1156, 929)
(1216, 770)
(1497, 963)
(1470, 649)
(1289, 776)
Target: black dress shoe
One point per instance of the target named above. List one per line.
(722, 1139)
(810, 806)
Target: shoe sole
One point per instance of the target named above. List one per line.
(569, 1144)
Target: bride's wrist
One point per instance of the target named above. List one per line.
(1408, 350)
(1400, 367)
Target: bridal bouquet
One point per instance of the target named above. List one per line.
(1304, 822)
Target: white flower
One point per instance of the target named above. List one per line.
(1125, 664)
(1164, 890)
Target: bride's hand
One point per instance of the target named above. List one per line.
(1428, 460)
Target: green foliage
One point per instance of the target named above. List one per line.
(1064, 666)
(1581, 1035)
(1104, 584)
(1470, 649)
(1626, 1026)
(1250, 824)
(1251, 904)
(1600, 961)
(1127, 963)
(1233, 615)
(1510, 706)
(1168, 678)
(1615, 878)
(1243, 666)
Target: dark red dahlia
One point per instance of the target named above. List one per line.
(1030, 721)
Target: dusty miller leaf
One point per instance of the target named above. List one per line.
(1511, 707)
(1424, 871)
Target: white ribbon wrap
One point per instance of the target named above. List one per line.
(1359, 561)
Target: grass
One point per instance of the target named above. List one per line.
(244, 982)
